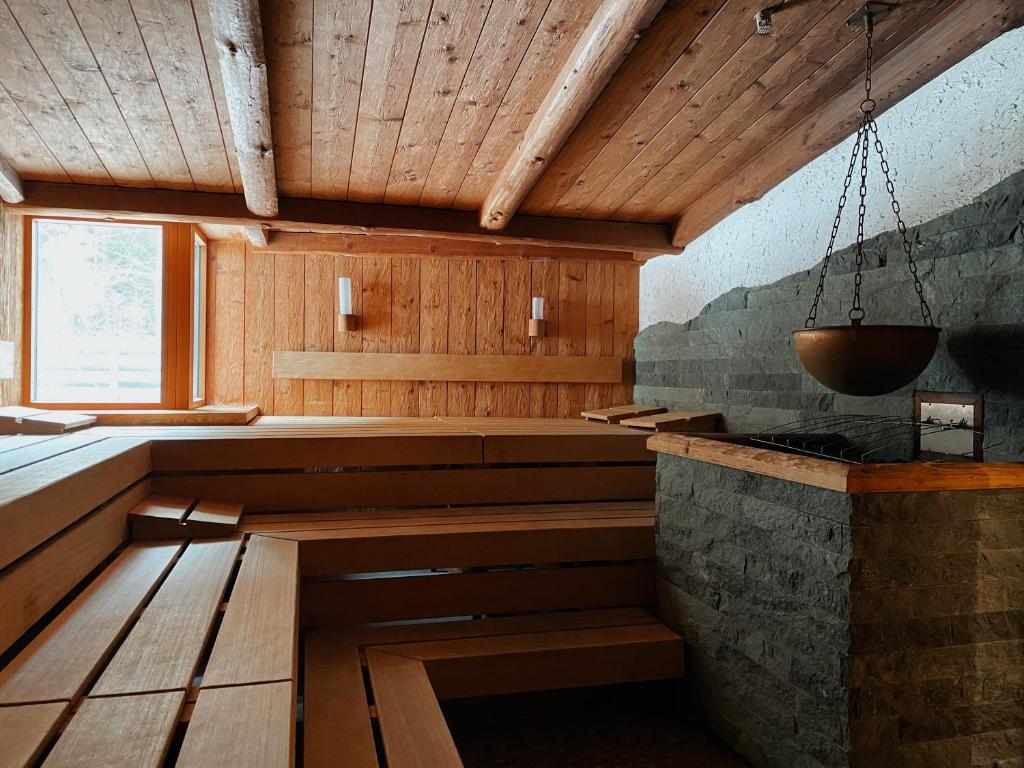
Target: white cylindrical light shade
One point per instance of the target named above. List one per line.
(537, 308)
(344, 295)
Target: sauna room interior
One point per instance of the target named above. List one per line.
(511, 384)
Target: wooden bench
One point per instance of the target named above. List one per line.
(185, 639)
(122, 660)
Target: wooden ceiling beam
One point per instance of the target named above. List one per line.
(427, 247)
(10, 184)
(962, 29)
(329, 216)
(256, 235)
(238, 33)
(609, 37)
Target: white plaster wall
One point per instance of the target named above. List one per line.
(947, 142)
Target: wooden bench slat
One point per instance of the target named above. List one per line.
(62, 659)
(245, 725)
(487, 666)
(509, 625)
(467, 594)
(256, 641)
(277, 491)
(119, 732)
(163, 649)
(15, 442)
(55, 422)
(676, 421)
(443, 517)
(369, 550)
(586, 509)
(159, 517)
(213, 518)
(336, 718)
(30, 454)
(412, 725)
(40, 500)
(265, 451)
(617, 413)
(33, 585)
(26, 730)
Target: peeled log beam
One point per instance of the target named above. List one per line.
(243, 66)
(607, 40)
(256, 235)
(10, 184)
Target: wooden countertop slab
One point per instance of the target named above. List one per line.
(844, 478)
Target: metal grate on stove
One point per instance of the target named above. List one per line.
(859, 439)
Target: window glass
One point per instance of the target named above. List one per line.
(199, 320)
(96, 312)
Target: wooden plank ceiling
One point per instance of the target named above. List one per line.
(422, 102)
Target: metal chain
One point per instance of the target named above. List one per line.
(861, 147)
(926, 312)
(812, 316)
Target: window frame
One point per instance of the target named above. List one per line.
(202, 294)
(175, 331)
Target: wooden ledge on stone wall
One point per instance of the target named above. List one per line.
(838, 476)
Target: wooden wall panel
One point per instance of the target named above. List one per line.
(320, 288)
(433, 331)
(572, 324)
(11, 281)
(348, 395)
(260, 302)
(288, 326)
(490, 330)
(462, 295)
(544, 282)
(376, 322)
(225, 327)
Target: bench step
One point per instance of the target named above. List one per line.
(412, 667)
(163, 517)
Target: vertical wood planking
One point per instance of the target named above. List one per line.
(405, 329)
(339, 47)
(348, 395)
(600, 325)
(392, 52)
(490, 330)
(516, 397)
(11, 281)
(265, 301)
(627, 324)
(288, 32)
(259, 329)
(319, 311)
(433, 331)
(544, 283)
(288, 327)
(225, 336)
(572, 325)
(461, 330)
(376, 329)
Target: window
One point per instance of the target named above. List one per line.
(115, 314)
(198, 366)
(97, 303)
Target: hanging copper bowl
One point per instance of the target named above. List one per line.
(866, 360)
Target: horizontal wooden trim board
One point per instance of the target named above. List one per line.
(845, 478)
(364, 366)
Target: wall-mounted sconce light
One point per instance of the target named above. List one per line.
(537, 317)
(346, 320)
